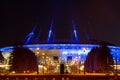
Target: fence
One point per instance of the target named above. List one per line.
(59, 77)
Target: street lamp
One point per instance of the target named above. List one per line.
(116, 62)
(84, 50)
(43, 60)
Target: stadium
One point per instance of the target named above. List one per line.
(71, 52)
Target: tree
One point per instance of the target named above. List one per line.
(105, 59)
(23, 60)
(90, 60)
(1, 57)
(99, 59)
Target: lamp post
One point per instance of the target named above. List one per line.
(84, 50)
(43, 60)
(37, 54)
(116, 63)
(79, 62)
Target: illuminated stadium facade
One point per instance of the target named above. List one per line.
(64, 50)
(57, 52)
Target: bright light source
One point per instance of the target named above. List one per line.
(37, 48)
(84, 49)
(82, 68)
(43, 54)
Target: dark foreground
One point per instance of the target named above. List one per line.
(59, 77)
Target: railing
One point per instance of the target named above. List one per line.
(59, 77)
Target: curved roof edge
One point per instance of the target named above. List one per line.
(56, 46)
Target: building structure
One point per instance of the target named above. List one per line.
(71, 52)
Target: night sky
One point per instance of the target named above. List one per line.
(98, 18)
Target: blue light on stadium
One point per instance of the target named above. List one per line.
(73, 50)
(67, 49)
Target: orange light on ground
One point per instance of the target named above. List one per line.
(43, 54)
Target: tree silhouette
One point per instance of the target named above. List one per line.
(23, 60)
(1, 57)
(99, 59)
(91, 60)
